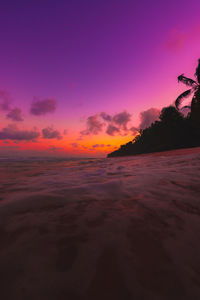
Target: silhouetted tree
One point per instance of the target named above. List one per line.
(170, 114)
(195, 90)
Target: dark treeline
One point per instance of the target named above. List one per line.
(173, 130)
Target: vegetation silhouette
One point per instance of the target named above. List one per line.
(195, 90)
(173, 130)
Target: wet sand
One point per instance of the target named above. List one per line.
(121, 228)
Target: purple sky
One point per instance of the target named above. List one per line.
(94, 56)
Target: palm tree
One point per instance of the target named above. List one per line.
(195, 90)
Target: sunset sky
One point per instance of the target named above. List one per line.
(77, 78)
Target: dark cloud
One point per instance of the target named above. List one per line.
(148, 116)
(15, 114)
(106, 117)
(5, 101)
(122, 119)
(75, 145)
(95, 146)
(51, 133)
(98, 146)
(11, 132)
(112, 130)
(54, 148)
(93, 126)
(42, 107)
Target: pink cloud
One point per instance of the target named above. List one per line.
(93, 126)
(116, 124)
(148, 116)
(178, 39)
(122, 119)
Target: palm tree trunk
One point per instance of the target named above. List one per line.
(195, 110)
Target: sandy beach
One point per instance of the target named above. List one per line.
(118, 228)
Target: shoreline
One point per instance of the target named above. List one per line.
(179, 151)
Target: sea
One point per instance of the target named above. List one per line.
(101, 228)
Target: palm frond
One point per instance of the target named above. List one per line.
(181, 97)
(187, 81)
(197, 73)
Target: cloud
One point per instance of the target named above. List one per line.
(15, 114)
(75, 145)
(116, 124)
(106, 117)
(98, 145)
(93, 126)
(54, 148)
(95, 146)
(50, 133)
(11, 132)
(112, 130)
(148, 116)
(122, 119)
(84, 147)
(176, 40)
(134, 130)
(65, 131)
(42, 107)
(4, 101)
